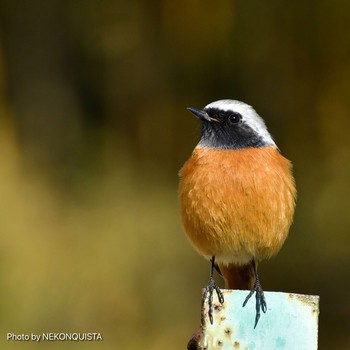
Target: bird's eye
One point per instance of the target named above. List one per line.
(234, 118)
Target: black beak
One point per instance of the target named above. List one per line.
(203, 115)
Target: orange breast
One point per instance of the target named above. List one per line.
(237, 204)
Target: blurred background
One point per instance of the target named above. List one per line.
(94, 128)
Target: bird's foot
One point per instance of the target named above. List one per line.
(208, 293)
(260, 303)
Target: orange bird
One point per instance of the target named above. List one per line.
(237, 196)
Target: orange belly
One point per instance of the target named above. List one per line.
(237, 204)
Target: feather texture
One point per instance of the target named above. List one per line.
(237, 205)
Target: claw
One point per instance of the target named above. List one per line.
(260, 303)
(209, 291)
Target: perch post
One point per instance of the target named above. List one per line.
(290, 323)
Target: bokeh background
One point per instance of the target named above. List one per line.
(93, 130)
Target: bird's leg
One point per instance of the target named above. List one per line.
(259, 296)
(209, 290)
(217, 268)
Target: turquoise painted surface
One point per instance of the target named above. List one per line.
(290, 323)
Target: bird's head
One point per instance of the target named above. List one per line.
(230, 124)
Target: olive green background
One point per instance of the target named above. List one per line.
(93, 130)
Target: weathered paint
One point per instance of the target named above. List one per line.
(290, 323)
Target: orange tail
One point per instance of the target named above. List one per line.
(238, 276)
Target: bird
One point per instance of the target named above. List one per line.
(237, 198)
